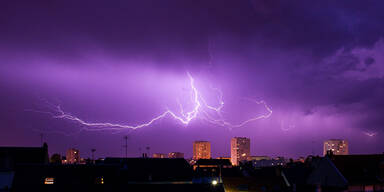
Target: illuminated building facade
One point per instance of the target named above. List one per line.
(159, 155)
(337, 146)
(201, 150)
(73, 156)
(240, 149)
(175, 155)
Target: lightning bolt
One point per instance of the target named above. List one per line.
(225, 123)
(370, 134)
(285, 127)
(200, 106)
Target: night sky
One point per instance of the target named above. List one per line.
(319, 66)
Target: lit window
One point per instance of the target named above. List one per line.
(99, 180)
(49, 180)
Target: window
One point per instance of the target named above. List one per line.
(99, 180)
(49, 181)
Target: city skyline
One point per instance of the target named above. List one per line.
(239, 151)
(133, 77)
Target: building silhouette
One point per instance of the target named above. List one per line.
(12, 157)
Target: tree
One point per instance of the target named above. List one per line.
(56, 159)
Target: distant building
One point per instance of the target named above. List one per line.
(258, 158)
(175, 155)
(229, 158)
(201, 150)
(73, 156)
(240, 149)
(268, 162)
(159, 155)
(336, 146)
(216, 163)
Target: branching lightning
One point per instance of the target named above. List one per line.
(200, 108)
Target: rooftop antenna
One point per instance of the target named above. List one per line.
(93, 157)
(313, 143)
(41, 139)
(148, 148)
(126, 146)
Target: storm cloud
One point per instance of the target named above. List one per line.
(319, 65)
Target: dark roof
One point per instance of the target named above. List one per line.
(168, 163)
(123, 188)
(297, 173)
(326, 174)
(359, 169)
(143, 169)
(250, 179)
(213, 162)
(137, 175)
(14, 156)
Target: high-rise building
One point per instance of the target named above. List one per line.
(73, 156)
(159, 155)
(201, 150)
(337, 146)
(175, 155)
(240, 149)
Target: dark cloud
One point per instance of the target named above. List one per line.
(313, 62)
(369, 61)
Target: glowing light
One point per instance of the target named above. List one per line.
(214, 182)
(200, 107)
(49, 181)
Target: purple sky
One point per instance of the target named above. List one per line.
(318, 65)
